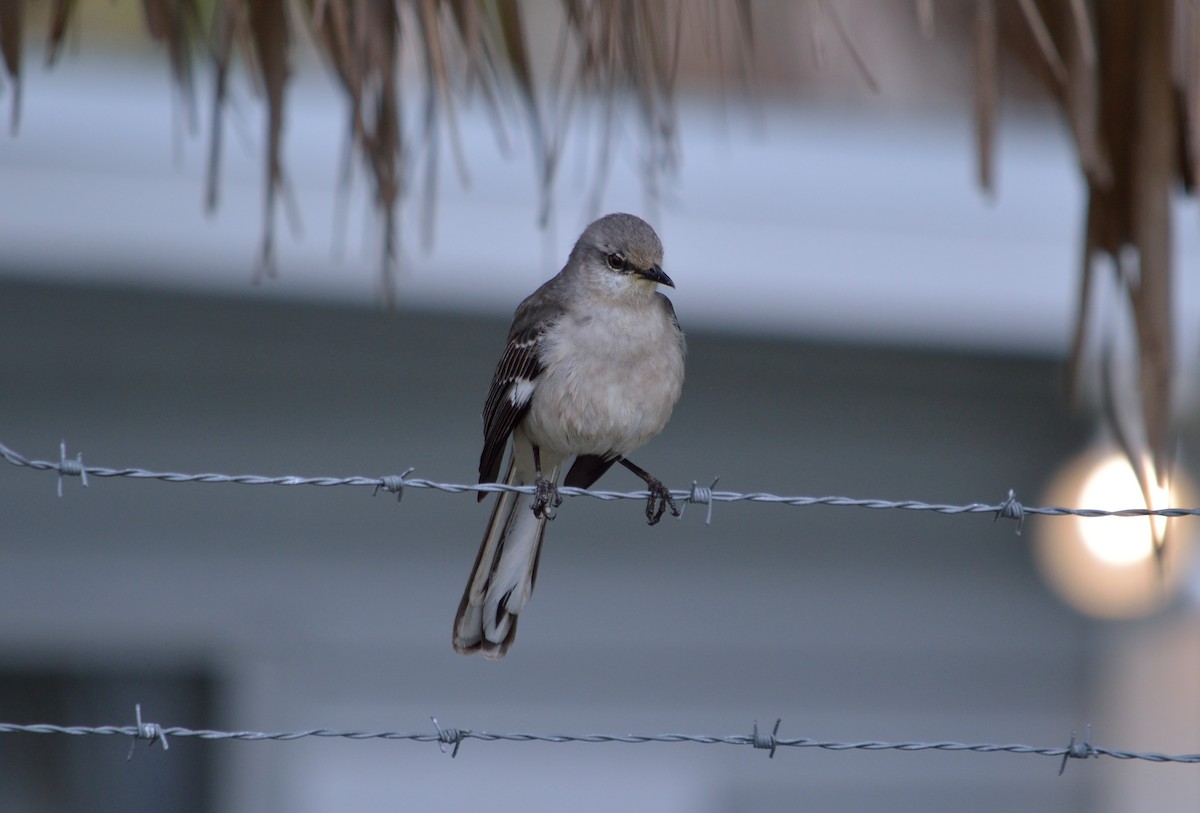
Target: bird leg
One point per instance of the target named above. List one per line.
(545, 495)
(658, 494)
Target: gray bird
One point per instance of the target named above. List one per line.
(593, 368)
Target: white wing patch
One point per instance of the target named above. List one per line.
(521, 391)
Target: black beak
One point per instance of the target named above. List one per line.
(655, 274)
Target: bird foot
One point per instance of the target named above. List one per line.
(658, 501)
(545, 498)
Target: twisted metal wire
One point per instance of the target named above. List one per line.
(758, 739)
(1009, 508)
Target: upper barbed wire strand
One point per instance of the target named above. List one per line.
(1009, 508)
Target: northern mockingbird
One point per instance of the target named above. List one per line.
(593, 367)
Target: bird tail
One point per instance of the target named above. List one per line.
(505, 570)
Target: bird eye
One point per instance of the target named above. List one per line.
(617, 262)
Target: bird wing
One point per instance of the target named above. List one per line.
(516, 378)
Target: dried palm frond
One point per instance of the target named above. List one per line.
(11, 14)
(1124, 73)
(623, 52)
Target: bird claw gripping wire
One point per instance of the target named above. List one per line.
(658, 501)
(545, 498)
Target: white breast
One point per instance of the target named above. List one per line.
(612, 377)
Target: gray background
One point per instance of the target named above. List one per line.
(304, 607)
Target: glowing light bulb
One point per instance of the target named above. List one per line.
(1105, 566)
(1117, 541)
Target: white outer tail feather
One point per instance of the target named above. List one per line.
(504, 572)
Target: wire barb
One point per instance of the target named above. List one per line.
(150, 732)
(766, 742)
(701, 495)
(1011, 509)
(69, 467)
(449, 736)
(1078, 750)
(394, 483)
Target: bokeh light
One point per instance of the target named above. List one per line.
(1106, 566)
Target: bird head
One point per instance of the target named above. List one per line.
(621, 252)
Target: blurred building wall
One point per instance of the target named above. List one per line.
(308, 607)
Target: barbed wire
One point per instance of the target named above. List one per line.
(1009, 508)
(759, 739)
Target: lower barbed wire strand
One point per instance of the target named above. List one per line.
(457, 736)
